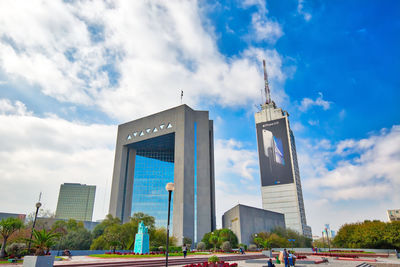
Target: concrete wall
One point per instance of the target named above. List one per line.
(182, 119)
(245, 221)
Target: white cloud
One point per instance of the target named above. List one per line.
(264, 27)
(349, 172)
(232, 159)
(38, 154)
(129, 58)
(300, 9)
(307, 103)
(17, 108)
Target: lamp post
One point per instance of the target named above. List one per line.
(38, 205)
(169, 187)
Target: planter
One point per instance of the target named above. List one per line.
(38, 261)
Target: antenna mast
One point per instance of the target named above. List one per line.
(267, 91)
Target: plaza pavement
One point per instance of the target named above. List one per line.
(381, 262)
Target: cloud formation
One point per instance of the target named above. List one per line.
(307, 103)
(129, 58)
(352, 171)
(38, 154)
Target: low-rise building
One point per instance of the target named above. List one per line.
(393, 215)
(245, 221)
(5, 215)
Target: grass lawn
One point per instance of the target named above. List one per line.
(144, 256)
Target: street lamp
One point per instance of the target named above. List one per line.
(169, 187)
(38, 205)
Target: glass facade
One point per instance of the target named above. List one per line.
(195, 182)
(154, 168)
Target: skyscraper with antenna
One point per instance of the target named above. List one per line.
(280, 176)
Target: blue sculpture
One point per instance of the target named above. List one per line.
(142, 244)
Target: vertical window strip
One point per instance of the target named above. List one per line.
(195, 182)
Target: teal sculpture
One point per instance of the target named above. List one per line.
(142, 244)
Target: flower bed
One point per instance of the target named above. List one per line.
(210, 264)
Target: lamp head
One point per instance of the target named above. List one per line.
(170, 187)
(38, 205)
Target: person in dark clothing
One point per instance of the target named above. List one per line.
(184, 250)
(270, 264)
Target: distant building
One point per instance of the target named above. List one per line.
(76, 201)
(245, 221)
(393, 215)
(4, 215)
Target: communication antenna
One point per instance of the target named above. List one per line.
(267, 91)
(181, 96)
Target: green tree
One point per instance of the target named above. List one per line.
(80, 239)
(112, 235)
(8, 227)
(43, 241)
(108, 221)
(213, 240)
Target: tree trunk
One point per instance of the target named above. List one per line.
(3, 247)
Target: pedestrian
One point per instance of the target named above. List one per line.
(270, 264)
(292, 259)
(286, 257)
(184, 250)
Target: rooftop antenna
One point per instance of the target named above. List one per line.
(181, 96)
(267, 91)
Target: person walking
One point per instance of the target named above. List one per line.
(286, 257)
(184, 250)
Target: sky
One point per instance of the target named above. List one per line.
(71, 71)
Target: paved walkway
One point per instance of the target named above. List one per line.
(384, 262)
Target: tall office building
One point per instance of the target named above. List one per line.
(76, 201)
(175, 145)
(280, 176)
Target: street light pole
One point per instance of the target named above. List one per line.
(169, 187)
(38, 205)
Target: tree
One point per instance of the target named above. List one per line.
(108, 221)
(8, 227)
(258, 241)
(160, 238)
(213, 240)
(43, 241)
(80, 239)
(201, 246)
(112, 235)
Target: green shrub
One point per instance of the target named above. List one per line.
(174, 249)
(226, 246)
(213, 259)
(16, 249)
(201, 246)
(252, 247)
(154, 249)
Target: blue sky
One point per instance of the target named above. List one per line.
(71, 71)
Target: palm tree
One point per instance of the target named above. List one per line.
(43, 241)
(213, 240)
(8, 227)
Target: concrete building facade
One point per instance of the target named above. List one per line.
(245, 221)
(175, 145)
(280, 175)
(393, 215)
(76, 201)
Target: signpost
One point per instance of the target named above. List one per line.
(292, 241)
